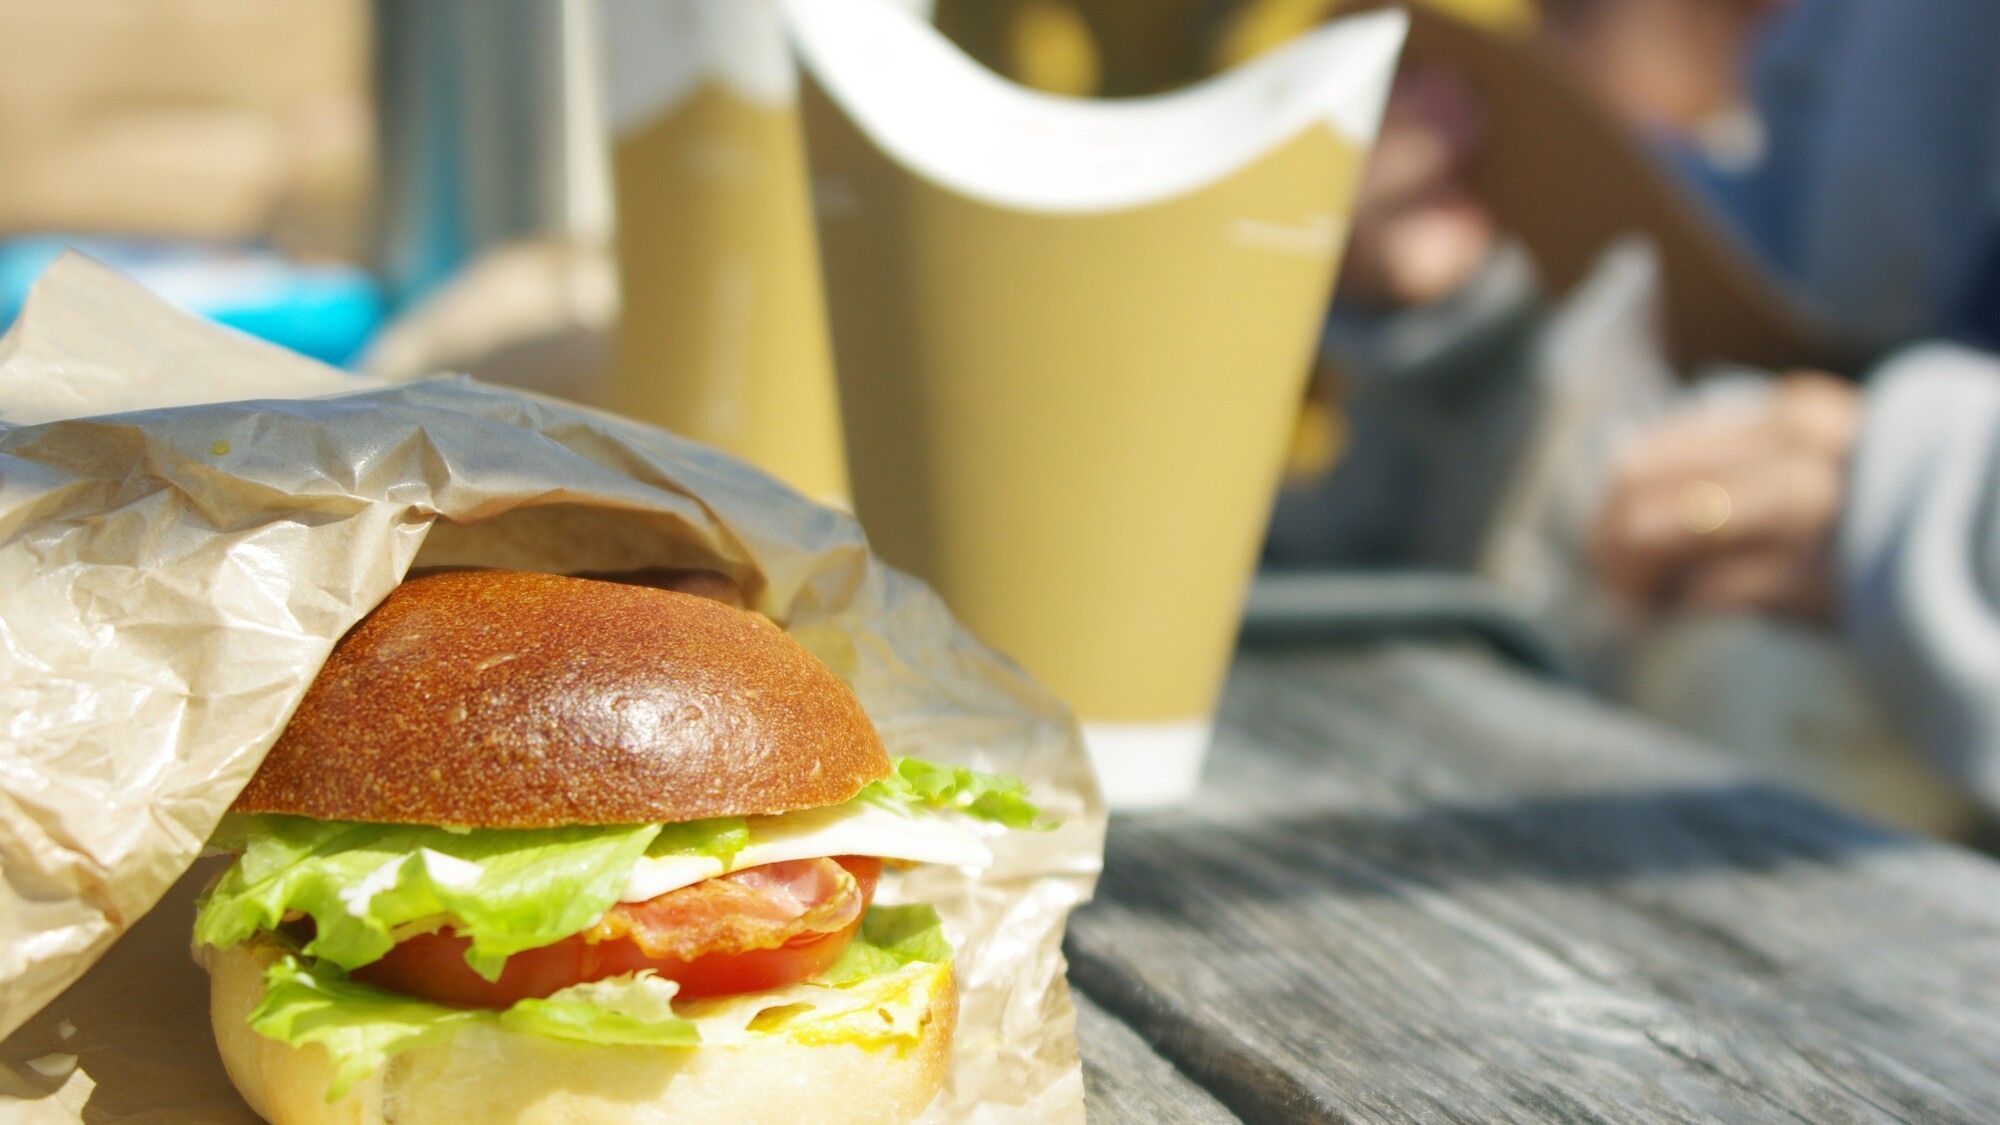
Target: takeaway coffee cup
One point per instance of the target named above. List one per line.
(1072, 338)
(722, 337)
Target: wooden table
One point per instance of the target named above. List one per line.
(1420, 886)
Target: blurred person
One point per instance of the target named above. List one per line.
(1445, 353)
(1872, 507)
(1674, 71)
(1420, 375)
(1418, 394)
(1430, 347)
(1420, 230)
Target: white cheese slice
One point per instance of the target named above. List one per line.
(652, 877)
(855, 828)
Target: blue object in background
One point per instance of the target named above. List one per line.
(323, 310)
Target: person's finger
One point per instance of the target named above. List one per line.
(1815, 410)
(1789, 580)
(1641, 539)
(1785, 501)
(1806, 410)
(1704, 440)
(1665, 496)
(1658, 526)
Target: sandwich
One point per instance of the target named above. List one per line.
(544, 848)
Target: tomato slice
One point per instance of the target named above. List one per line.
(432, 966)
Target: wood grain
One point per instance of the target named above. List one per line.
(1419, 887)
(1126, 1083)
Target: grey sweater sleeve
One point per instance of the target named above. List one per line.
(1920, 553)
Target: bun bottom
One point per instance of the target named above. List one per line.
(489, 1075)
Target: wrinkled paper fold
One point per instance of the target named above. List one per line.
(172, 576)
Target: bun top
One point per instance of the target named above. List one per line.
(499, 699)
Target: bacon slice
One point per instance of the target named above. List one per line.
(755, 908)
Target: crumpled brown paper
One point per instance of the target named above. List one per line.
(172, 577)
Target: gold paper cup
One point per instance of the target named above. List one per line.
(1072, 338)
(723, 333)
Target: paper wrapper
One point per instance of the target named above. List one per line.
(172, 577)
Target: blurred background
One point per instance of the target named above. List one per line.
(1599, 377)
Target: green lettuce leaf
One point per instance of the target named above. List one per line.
(505, 890)
(634, 1010)
(890, 938)
(987, 796)
(361, 1027)
(720, 838)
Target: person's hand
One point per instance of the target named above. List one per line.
(1418, 229)
(1734, 508)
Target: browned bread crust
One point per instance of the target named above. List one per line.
(499, 699)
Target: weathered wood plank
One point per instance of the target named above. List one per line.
(1422, 888)
(1126, 1083)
